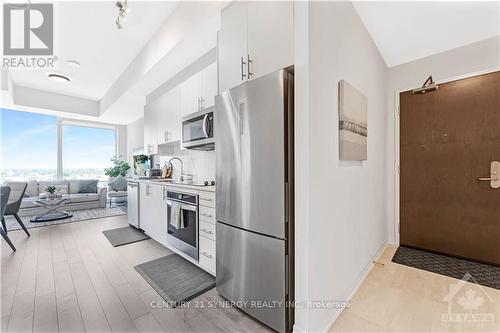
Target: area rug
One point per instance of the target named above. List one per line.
(78, 215)
(124, 235)
(483, 274)
(176, 279)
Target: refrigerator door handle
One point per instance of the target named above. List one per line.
(287, 201)
(241, 110)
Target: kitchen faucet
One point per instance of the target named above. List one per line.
(182, 165)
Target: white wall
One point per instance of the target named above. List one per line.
(471, 59)
(135, 139)
(346, 213)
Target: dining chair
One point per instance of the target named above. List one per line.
(4, 198)
(17, 190)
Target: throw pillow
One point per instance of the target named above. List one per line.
(88, 186)
(118, 184)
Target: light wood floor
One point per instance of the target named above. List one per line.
(397, 298)
(68, 278)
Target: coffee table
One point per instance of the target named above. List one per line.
(52, 206)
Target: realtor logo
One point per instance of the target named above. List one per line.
(469, 304)
(28, 29)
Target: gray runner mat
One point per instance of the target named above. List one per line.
(484, 274)
(176, 279)
(125, 235)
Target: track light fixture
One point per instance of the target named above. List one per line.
(123, 9)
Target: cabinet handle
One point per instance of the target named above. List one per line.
(206, 199)
(206, 215)
(249, 61)
(202, 101)
(206, 231)
(243, 63)
(209, 256)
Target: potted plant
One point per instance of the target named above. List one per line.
(119, 168)
(51, 190)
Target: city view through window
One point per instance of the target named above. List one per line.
(29, 148)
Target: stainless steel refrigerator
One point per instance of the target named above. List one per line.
(254, 176)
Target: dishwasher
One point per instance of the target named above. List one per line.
(133, 203)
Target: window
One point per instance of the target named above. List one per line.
(87, 151)
(28, 146)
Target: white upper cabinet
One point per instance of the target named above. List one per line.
(270, 36)
(162, 120)
(198, 92)
(150, 131)
(209, 85)
(256, 38)
(169, 110)
(173, 114)
(191, 90)
(232, 45)
(163, 116)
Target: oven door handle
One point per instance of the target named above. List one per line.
(184, 207)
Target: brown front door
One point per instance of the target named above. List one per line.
(449, 137)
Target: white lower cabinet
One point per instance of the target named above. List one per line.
(207, 236)
(152, 216)
(207, 199)
(154, 219)
(207, 214)
(207, 230)
(207, 254)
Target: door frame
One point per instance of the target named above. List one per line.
(397, 138)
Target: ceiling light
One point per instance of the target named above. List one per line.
(73, 63)
(59, 78)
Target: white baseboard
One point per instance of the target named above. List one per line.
(354, 288)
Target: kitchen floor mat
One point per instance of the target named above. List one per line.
(176, 279)
(124, 235)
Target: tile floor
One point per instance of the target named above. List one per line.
(397, 298)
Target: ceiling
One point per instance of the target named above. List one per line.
(408, 30)
(103, 56)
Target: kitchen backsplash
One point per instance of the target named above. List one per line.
(201, 164)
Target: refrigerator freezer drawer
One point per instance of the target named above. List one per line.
(251, 269)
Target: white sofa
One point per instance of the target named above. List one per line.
(70, 188)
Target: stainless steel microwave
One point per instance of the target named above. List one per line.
(198, 130)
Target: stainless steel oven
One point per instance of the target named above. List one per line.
(182, 219)
(198, 130)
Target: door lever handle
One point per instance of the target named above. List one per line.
(494, 177)
(487, 179)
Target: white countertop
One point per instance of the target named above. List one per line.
(210, 188)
